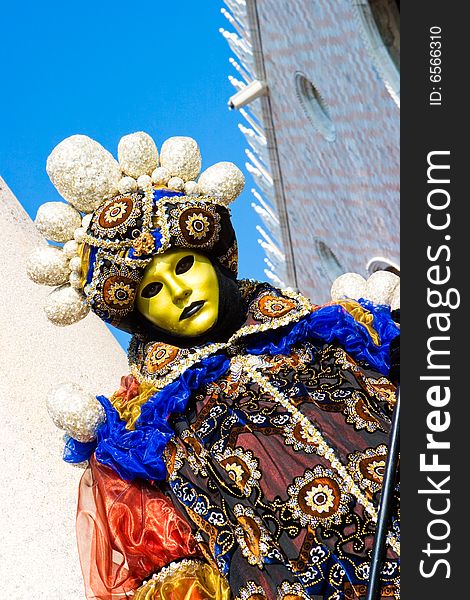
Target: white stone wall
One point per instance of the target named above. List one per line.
(38, 493)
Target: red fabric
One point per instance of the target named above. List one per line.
(125, 531)
(129, 388)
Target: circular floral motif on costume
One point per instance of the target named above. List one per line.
(119, 291)
(160, 356)
(116, 212)
(197, 226)
(120, 220)
(300, 437)
(275, 306)
(317, 498)
(367, 468)
(242, 468)
(359, 414)
(252, 535)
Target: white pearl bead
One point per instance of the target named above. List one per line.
(87, 220)
(127, 185)
(144, 181)
(75, 264)
(176, 183)
(79, 234)
(160, 176)
(75, 280)
(191, 188)
(70, 248)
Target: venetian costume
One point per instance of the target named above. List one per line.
(247, 462)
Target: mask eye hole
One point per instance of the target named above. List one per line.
(151, 289)
(184, 264)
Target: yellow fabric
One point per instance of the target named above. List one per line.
(362, 316)
(129, 410)
(84, 254)
(187, 580)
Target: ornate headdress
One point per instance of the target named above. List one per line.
(120, 214)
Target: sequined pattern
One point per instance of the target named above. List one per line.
(280, 474)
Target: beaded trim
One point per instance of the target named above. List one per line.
(303, 308)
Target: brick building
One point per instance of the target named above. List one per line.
(318, 86)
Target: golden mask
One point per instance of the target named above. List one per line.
(179, 293)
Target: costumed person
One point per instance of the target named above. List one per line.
(245, 452)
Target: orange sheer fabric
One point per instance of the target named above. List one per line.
(187, 580)
(125, 532)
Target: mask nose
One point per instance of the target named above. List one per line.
(180, 292)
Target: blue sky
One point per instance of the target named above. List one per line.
(106, 69)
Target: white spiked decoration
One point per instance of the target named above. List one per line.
(65, 306)
(380, 287)
(348, 285)
(181, 157)
(83, 172)
(48, 265)
(137, 154)
(75, 411)
(224, 181)
(57, 221)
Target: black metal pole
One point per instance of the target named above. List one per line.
(383, 518)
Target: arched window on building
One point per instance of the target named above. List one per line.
(380, 21)
(314, 107)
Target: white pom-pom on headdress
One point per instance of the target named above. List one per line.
(137, 154)
(181, 157)
(83, 172)
(48, 265)
(57, 221)
(75, 411)
(65, 306)
(223, 181)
